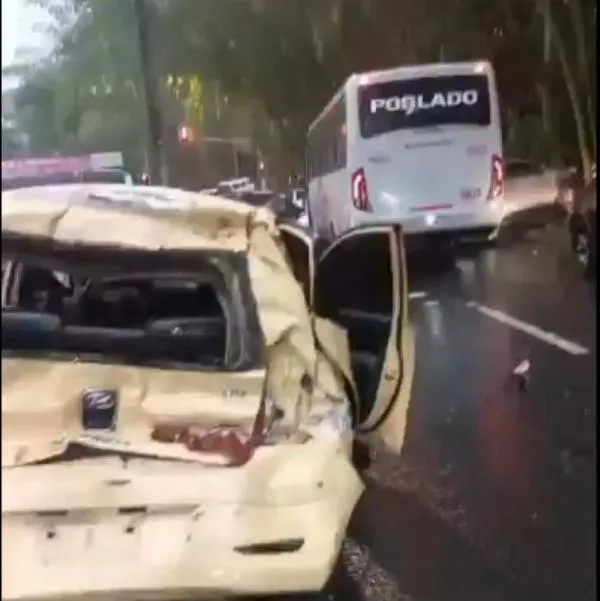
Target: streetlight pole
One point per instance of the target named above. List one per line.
(153, 112)
(236, 144)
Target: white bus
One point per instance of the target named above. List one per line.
(418, 145)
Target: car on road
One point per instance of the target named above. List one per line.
(530, 184)
(298, 198)
(183, 378)
(581, 222)
(209, 191)
(278, 203)
(233, 187)
(532, 192)
(303, 220)
(257, 198)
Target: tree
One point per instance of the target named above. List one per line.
(85, 97)
(574, 59)
(11, 143)
(263, 68)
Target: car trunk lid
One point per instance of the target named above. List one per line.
(211, 418)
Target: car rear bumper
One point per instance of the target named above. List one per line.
(212, 548)
(208, 565)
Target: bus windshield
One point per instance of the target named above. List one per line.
(424, 102)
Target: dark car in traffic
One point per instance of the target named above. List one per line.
(581, 222)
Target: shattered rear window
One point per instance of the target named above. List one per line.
(158, 309)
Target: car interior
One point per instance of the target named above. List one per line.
(362, 302)
(359, 297)
(177, 318)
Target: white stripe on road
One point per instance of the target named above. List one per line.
(417, 294)
(548, 337)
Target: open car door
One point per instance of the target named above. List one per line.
(300, 249)
(360, 284)
(331, 339)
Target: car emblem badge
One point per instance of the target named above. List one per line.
(99, 409)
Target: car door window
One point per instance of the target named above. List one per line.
(300, 251)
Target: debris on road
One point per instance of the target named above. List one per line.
(521, 371)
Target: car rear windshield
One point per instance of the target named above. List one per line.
(156, 309)
(424, 102)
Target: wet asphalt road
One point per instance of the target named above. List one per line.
(494, 497)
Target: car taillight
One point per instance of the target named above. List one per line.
(360, 193)
(497, 180)
(235, 445)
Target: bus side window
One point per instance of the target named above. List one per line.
(327, 142)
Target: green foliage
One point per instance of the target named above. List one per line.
(11, 145)
(262, 68)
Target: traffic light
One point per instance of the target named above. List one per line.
(185, 134)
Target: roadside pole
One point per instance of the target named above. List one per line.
(236, 144)
(155, 149)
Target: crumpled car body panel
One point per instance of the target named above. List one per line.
(99, 529)
(157, 524)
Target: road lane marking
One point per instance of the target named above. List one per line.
(417, 294)
(548, 337)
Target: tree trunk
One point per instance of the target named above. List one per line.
(571, 85)
(583, 66)
(155, 149)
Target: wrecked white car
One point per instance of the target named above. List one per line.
(182, 380)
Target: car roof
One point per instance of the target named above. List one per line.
(160, 218)
(142, 217)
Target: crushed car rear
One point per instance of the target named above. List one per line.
(169, 427)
